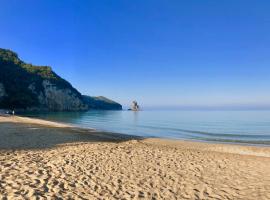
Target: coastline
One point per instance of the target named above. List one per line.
(67, 161)
(227, 147)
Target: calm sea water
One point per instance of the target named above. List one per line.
(252, 127)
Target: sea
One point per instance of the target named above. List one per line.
(241, 127)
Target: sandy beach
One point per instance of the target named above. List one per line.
(48, 160)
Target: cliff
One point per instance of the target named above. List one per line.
(27, 87)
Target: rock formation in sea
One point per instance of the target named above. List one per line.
(27, 87)
(135, 106)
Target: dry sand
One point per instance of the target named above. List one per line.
(46, 160)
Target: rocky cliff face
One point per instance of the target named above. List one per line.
(57, 99)
(60, 99)
(28, 87)
(2, 91)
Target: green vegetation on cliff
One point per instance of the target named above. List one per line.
(25, 86)
(17, 76)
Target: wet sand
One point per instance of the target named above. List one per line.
(47, 160)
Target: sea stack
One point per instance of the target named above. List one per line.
(135, 106)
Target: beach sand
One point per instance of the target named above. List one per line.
(47, 160)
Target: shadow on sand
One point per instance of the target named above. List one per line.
(14, 136)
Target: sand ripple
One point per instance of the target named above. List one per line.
(131, 170)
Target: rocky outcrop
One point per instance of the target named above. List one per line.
(135, 106)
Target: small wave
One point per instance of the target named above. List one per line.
(227, 135)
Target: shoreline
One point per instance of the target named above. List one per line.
(255, 143)
(43, 159)
(240, 148)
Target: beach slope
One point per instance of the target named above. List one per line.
(48, 160)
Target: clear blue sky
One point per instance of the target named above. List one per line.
(161, 53)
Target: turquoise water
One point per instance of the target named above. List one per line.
(252, 127)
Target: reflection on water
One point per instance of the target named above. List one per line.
(135, 118)
(223, 126)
